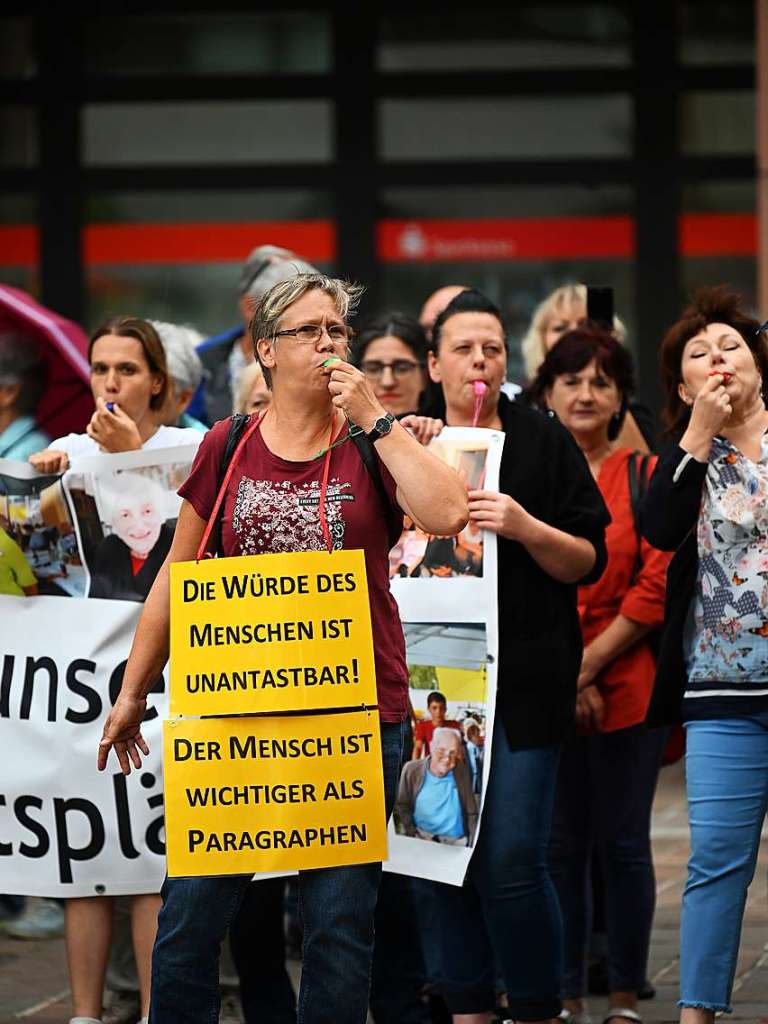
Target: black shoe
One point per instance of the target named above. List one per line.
(597, 981)
(647, 991)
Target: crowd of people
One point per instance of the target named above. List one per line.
(633, 598)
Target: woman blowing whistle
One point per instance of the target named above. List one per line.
(300, 484)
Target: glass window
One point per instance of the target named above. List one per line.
(189, 206)
(713, 32)
(19, 242)
(718, 236)
(18, 137)
(505, 201)
(167, 44)
(279, 131)
(520, 35)
(512, 128)
(718, 123)
(177, 255)
(17, 57)
(515, 245)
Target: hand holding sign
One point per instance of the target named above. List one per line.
(122, 731)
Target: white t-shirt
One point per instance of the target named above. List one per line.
(164, 437)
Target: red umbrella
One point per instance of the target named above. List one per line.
(67, 404)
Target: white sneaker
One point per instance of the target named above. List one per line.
(84, 1020)
(41, 919)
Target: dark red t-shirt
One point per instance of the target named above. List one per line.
(271, 507)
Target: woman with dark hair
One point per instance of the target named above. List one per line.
(708, 502)
(391, 350)
(129, 381)
(550, 520)
(608, 771)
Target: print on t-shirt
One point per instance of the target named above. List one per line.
(281, 516)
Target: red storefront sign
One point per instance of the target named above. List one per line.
(521, 238)
(397, 241)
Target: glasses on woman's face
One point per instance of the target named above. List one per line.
(400, 368)
(310, 334)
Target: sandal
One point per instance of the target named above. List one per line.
(621, 1013)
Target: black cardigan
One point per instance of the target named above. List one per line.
(540, 643)
(668, 516)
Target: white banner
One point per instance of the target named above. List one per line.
(66, 829)
(446, 590)
(104, 529)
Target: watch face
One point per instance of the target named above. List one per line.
(383, 425)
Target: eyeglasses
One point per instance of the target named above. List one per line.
(400, 368)
(310, 334)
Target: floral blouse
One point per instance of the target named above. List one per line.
(726, 640)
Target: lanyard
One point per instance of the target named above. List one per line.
(201, 552)
(324, 487)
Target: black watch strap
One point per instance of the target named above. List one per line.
(381, 427)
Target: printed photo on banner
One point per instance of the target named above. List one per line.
(38, 544)
(438, 799)
(125, 515)
(418, 555)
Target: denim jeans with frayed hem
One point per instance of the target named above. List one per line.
(337, 907)
(726, 766)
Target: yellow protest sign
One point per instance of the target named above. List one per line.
(287, 632)
(259, 794)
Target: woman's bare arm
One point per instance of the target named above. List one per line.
(428, 490)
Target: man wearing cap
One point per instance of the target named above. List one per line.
(226, 355)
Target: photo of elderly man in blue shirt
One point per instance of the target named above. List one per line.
(435, 800)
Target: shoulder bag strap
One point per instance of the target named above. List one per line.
(637, 472)
(240, 429)
(371, 463)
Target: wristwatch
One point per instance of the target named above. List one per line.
(380, 428)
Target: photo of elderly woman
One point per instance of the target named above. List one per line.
(125, 524)
(128, 559)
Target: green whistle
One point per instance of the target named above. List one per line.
(331, 360)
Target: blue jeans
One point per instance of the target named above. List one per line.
(506, 916)
(726, 767)
(336, 906)
(605, 789)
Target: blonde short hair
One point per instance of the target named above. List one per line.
(562, 298)
(272, 305)
(245, 381)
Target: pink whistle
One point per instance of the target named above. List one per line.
(480, 388)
